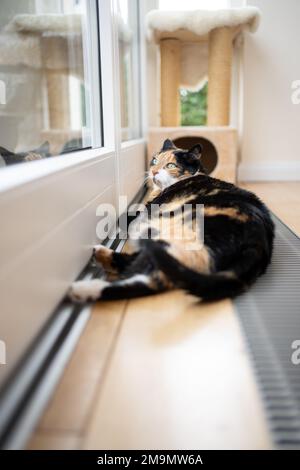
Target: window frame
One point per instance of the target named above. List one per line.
(50, 195)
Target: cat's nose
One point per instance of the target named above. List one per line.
(155, 172)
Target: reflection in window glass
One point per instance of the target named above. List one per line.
(128, 35)
(193, 4)
(44, 86)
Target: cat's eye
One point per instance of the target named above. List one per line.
(171, 165)
(154, 161)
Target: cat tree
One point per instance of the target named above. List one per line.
(195, 44)
(38, 46)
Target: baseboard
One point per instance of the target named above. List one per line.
(276, 171)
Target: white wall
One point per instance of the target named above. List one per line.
(271, 123)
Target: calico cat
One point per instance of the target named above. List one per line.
(238, 237)
(11, 158)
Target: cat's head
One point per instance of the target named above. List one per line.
(171, 164)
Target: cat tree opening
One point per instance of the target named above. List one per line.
(210, 154)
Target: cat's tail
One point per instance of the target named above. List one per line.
(208, 287)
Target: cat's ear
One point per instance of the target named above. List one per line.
(194, 159)
(168, 145)
(196, 150)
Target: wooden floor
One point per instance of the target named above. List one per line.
(163, 372)
(282, 198)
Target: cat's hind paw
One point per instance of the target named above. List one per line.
(85, 291)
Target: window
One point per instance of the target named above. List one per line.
(57, 92)
(46, 68)
(128, 45)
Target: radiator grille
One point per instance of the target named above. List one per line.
(270, 317)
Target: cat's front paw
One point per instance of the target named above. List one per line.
(98, 248)
(85, 291)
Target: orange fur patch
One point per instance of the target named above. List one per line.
(199, 260)
(104, 256)
(229, 211)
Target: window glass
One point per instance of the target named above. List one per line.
(44, 79)
(128, 36)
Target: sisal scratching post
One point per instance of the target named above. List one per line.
(170, 82)
(58, 99)
(55, 53)
(219, 76)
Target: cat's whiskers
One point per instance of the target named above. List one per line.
(147, 177)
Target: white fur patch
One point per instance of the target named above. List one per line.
(82, 291)
(163, 179)
(136, 278)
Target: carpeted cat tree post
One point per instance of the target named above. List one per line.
(195, 44)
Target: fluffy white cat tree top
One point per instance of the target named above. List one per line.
(200, 22)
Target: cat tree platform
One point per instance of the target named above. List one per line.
(212, 31)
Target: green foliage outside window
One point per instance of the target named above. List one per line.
(194, 107)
